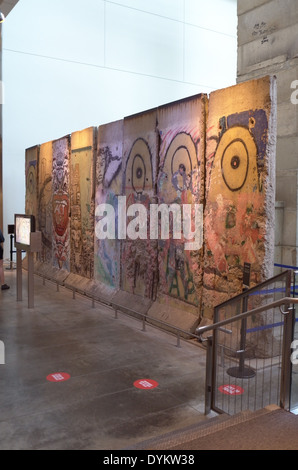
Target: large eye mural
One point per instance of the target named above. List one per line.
(235, 224)
(237, 155)
(180, 181)
(139, 256)
(138, 173)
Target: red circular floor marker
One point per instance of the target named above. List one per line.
(145, 384)
(58, 377)
(231, 390)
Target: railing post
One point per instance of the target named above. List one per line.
(241, 371)
(209, 369)
(286, 369)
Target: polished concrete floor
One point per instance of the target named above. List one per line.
(99, 406)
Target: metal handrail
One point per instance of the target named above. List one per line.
(277, 303)
(123, 309)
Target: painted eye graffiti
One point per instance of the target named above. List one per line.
(31, 180)
(138, 178)
(138, 173)
(238, 153)
(234, 165)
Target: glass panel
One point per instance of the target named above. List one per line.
(248, 353)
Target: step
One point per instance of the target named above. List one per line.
(268, 428)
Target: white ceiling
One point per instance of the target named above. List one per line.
(7, 5)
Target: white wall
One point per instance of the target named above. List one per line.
(68, 65)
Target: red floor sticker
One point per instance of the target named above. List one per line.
(58, 377)
(231, 390)
(145, 384)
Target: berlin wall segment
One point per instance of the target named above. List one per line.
(209, 160)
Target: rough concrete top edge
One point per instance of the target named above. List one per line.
(66, 136)
(116, 122)
(270, 80)
(92, 130)
(199, 96)
(267, 77)
(202, 96)
(32, 148)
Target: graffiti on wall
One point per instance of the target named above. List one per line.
(82, 211)
(236, 190)
(61, 203)
(180, 181)
(108, 187)
(45, 212)
(139, 256)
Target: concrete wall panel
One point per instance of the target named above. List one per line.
(140, 153)
(61, 203)
(239, 214)
(45, 212)
(82, 186)
(108, 188)
(181, 181)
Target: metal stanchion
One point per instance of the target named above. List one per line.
(241, 371)
(208, 380)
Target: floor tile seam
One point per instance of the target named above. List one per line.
(150, 414)
(64, 406)
(163, 387)
(136, 329)
(58, 326)
(42, 348)
(167, 386)
(73, 355)
(75, 377)
(76, 329)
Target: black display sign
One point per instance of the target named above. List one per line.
(246, 274)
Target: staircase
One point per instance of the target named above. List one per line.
(271, 428)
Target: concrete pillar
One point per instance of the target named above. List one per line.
(268, 44)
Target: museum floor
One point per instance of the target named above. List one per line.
(98, 407)
(99, 404)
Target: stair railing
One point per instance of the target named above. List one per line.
(275, 373)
